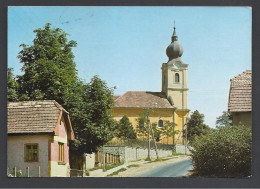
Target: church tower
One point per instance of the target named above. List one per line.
(174, 80)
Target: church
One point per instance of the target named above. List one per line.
(170, 104)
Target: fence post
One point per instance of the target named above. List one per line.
(28, 174)
(14, 171)
(39, 171)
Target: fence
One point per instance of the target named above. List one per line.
(140, 144)
(29, 172)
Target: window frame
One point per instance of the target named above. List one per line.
(30, 152)
(160, 120)
(177, 78)
(61, 152)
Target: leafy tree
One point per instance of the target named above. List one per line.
(50, 73)
(169, 130)
(224, 152)
(157, 132)
(224, 120)
(142, 129)
(125, 129)
(12, 86)
(196, 126)
(48, 66)
(95, 123)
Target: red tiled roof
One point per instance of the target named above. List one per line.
(33, 116)
(142, 99)
(240, 94)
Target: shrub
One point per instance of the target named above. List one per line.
(225, 152)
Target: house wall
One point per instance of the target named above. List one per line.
(59, 169)
(244, 118)
(15, 154)
(155, 114)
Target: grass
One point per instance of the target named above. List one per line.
(177, 154)
(111, 166)
(116, 172)
(134, 165)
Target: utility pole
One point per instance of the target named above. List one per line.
(148, 125)
(155, 144)
(186, 136)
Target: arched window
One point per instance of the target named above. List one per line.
(177, 78)
(160, 123)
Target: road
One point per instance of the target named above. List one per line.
(177, 169)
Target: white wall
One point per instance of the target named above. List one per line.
(15, 153)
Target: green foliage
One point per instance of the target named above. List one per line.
(95, 125)
(196, 126)
(142, 130)
(125, 129)
(48, 66)
(111, 166)
(116, 172)
(169, 129)
(224, 120)
(12, 86)
(50, 73)
(133, 165)
(225, 152)
(157, 133)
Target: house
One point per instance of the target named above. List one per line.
(240, 98)
(170, 104)
(38, 138)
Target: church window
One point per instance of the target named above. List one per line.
(177, 78)
(160, 123)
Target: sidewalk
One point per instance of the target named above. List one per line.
(100, 173)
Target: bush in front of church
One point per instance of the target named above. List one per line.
(224, 152)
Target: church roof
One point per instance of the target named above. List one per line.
(142, 99)
(240, 94)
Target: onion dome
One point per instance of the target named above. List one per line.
(174, 50)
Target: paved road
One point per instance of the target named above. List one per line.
(177, 169)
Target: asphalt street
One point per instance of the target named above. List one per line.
(177, 169)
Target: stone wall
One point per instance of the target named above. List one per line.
(181, 149)
(133, 153)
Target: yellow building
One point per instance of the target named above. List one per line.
(171, 104)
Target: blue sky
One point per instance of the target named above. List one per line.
(126, 46)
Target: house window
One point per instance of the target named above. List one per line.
(31, 152)
(177, 78)
(61, 152)
(160, 123)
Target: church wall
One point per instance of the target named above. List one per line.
(155, 115)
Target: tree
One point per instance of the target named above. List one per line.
(48, 66)
(224, 152)
(12, 86)
(224, 120)
(125, 129)
(196, 126)
(157, 133)
(169, 130)
(95, 123)
(142, 129)
(50, 73)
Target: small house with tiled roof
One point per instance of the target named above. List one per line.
(38, 138)
(240, 98)
(170, 104)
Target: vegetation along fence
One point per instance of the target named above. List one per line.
(29, 172)
(141, 144)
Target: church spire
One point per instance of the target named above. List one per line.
(174, 35)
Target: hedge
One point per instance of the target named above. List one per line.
(225, 152)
